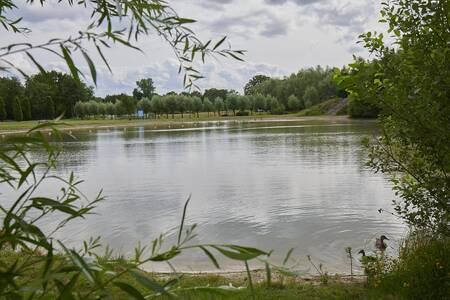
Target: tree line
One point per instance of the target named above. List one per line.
(42, 96)
(309, 86)
(51, 94)
(171, 104)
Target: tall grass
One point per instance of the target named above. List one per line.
(422, 270)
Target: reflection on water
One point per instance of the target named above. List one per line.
(272, 185)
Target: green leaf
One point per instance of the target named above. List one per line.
(183, 217)
(219, 43)
(239, 254)
(130, 290)
(41, 69)
(288, 255)
(80, 263)
(149, 283)
(73, 69)
(91, 66)
(168, 255)
(211, 257)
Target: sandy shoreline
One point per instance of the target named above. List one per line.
(259, 275)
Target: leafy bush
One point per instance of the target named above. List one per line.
(409, 80)
(422, 270)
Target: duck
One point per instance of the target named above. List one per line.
(380, 244)
(366, 259)
(368, 262)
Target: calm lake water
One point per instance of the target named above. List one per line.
(271, 185)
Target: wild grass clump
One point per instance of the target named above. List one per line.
(422, 270)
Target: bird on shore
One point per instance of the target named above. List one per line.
(380, 244)
(368, 262)
(365, 259)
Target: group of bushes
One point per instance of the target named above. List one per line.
(421, 270)
(172, 104)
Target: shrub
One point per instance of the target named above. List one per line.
(422, 270)
(242, 113)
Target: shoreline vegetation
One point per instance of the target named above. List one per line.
(330, 110)
(8, 128)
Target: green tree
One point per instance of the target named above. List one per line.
(409, 80)
(80, 110)
(157, 105)
(218, 105)
(311, 96)
(17, 110)
(146, 105)
(197, 105)
(119, 108)
(208, 106)
(260, 102)
(129, 104)
(92, 108)
(10, 88)
(101, 109)
(232, 102)
(61, 88)
(110, 110)
(26, 108)
(243, 103)
(275, 107)
(181, 104)
(294, 103)
(170, 104)
(145, 88)
(214, 93)
(2, 110)
(249, 88)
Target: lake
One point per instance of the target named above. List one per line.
(268, 184)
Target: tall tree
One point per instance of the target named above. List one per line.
(26, 108)
(145, 89)
(214, 93)
(294, 103)
(10, 88)
(2, 109)
(63, 90)
(249, 88)
(197, 105)
(208, 106)
(17, 110)
(409, 80)
(232, 102)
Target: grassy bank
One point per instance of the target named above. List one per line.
(280, 288)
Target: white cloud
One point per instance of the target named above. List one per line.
(281, 36)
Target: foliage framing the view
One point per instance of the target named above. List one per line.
(409, 81)
(115, 22)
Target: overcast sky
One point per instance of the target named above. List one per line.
(281, 37)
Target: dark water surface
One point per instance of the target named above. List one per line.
(272, 185)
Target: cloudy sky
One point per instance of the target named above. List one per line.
(281, 37)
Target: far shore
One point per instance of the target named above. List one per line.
(11, 128)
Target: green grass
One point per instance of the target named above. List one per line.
(291, 288)
(324, 108)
